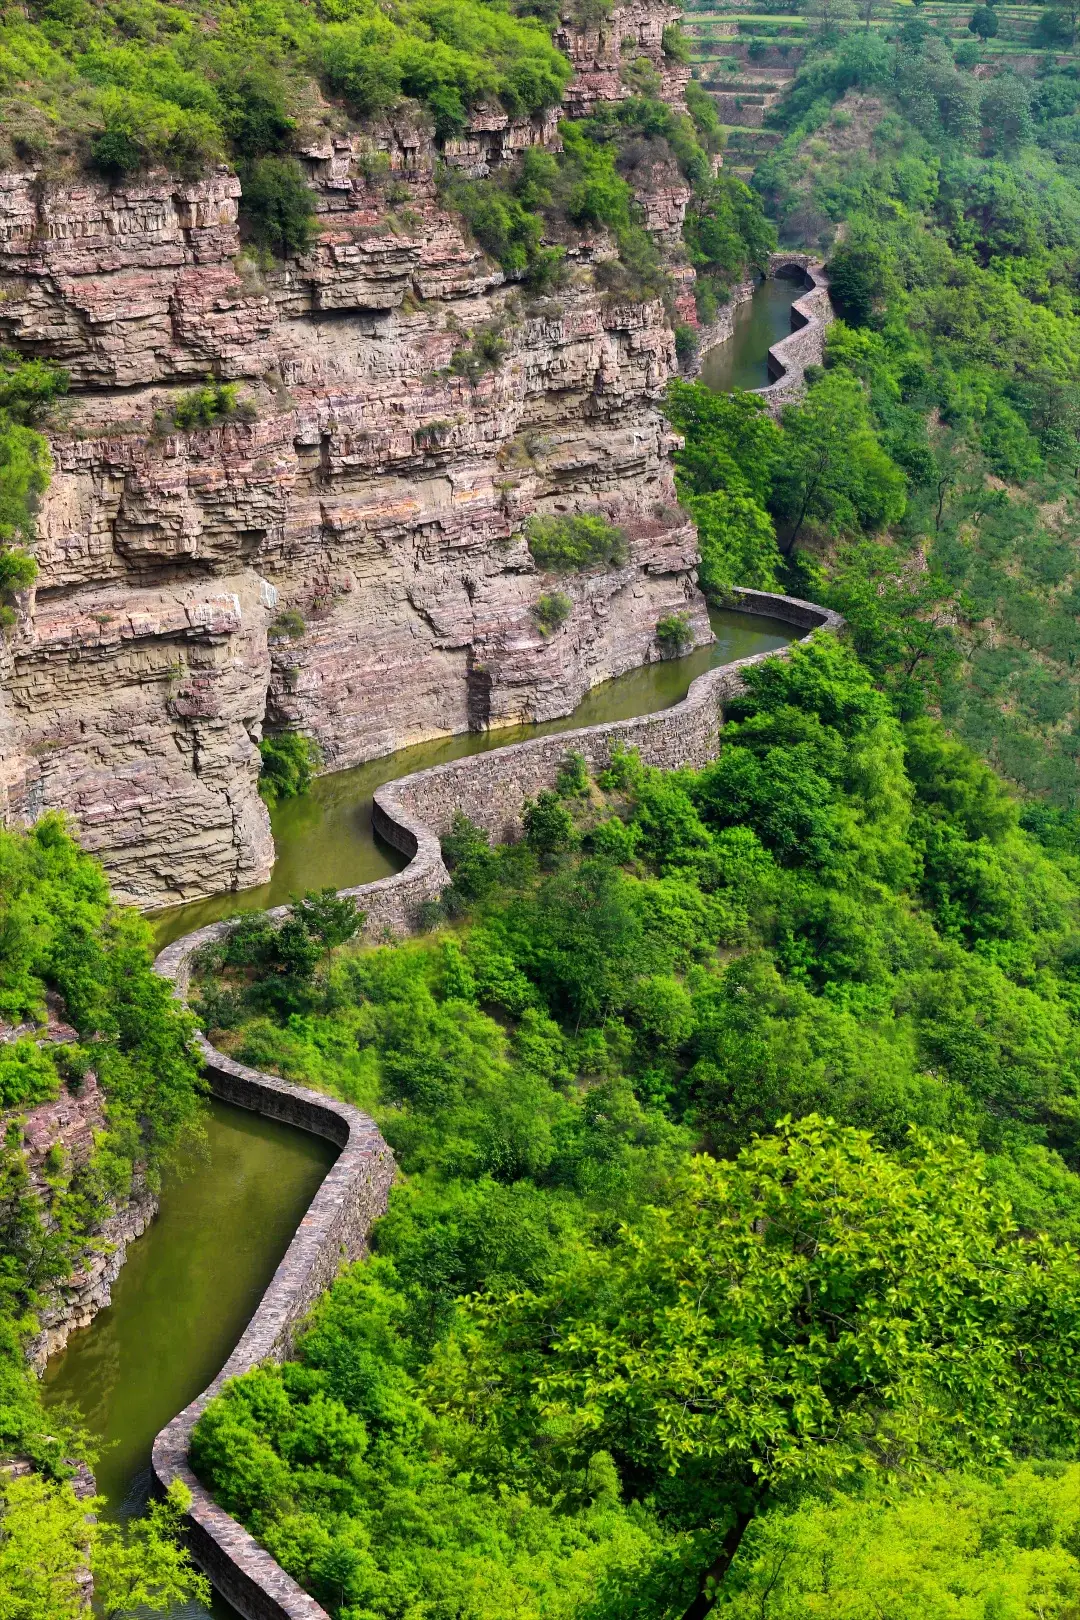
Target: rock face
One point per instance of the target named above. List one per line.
(67, 1126)
(375, 495)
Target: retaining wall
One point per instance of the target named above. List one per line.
(811, 313)
(411, 813)
(333, 1231)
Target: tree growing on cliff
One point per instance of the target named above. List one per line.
(28, 391)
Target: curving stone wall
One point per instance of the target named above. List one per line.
(334, 1230)
(411, 813)
(810, 315)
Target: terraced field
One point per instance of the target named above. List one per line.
(747, 58)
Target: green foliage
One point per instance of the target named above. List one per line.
(277, 206)
(28, 390)
(483, 352)
(145, 1565)
(962, 223)
(289, 762)
(549, 826)
(49, 1538)
(450, 55)
(59, 935)
(842, 914)
(552, 611)
(789, 1316)
(727, 236)
(288, 623)
(984, 22)
(206, 406)
(567, 544)
(158, 86)
(675, 634)
(725, 473)
(968, 1545)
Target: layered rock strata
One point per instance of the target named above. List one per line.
(376, 495)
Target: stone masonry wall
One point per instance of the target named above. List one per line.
(810, 315)
(333, 1231)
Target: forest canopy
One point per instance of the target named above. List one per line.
(534, 1391)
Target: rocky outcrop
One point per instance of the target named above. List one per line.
(58, 1138)
(608, 55)
(376, 494)
(76, 1301)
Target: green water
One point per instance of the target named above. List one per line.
(187, 1291)
(326, 838)
(742, 361)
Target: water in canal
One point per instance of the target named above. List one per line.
(742, 361)
(187, 1291)
(192, 1282)
(326, 838)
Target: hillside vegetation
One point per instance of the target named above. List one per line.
(736, 1267)
(519, 1398)
(64, 949)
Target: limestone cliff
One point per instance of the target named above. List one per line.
(372, 492)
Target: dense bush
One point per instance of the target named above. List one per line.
(28, 390)
(159, 86)
(277, 206)
(552, 611)
(61, 935)
(961, 325)
(564, 544)
(289, 761)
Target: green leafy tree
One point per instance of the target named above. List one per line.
(834, 472)
(812, 1315)
(144, 1564)
(278, 206)
(984, 22)
(976, 1547)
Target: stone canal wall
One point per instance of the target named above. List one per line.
(411, 813)
(333, 1231)
(492, 788)
(810, 315)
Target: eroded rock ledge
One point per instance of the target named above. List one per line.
(411, 812)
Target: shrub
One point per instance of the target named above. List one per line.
(28, 390)
(549, 826)
(205, 407)
(564, 544)
(572, 780)
(675, 634)
(552, 610)
(480, 355)
(686, 344)
(277, 206)
(256, 114)
(289, 761)
(288, 623)
(675, 45)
